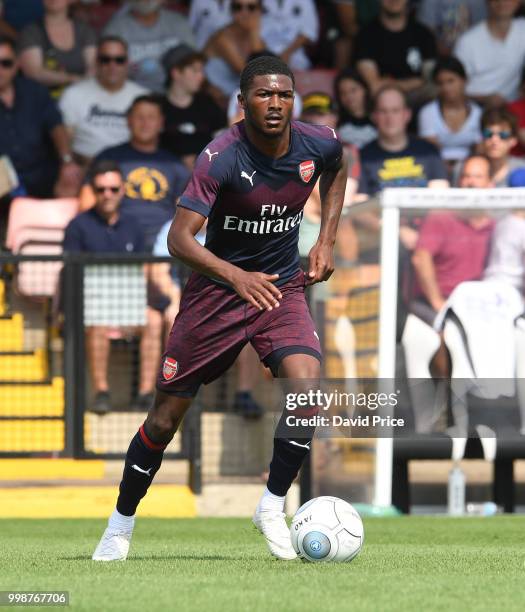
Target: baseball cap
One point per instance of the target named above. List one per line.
(517, 178)
(180, 55)
(317, 102)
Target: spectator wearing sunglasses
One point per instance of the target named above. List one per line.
(58, 50)
(499, 131)
(95, 109)
(229, 48)
(104, 229)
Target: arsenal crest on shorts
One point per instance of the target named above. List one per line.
(306, 170)
(170, 368)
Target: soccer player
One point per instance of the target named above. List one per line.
(251, 183)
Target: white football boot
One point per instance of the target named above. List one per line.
(113, 545)
(272, 524)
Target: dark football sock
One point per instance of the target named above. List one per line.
(143, 460)
(288, 456)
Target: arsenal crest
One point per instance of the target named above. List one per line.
(306, 170)
(170, 368)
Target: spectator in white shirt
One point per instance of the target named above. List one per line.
(507, 250)
(493, 52)
(452, 121)
(450, 18)
(207, 17)
(94, 109)
(289, 25)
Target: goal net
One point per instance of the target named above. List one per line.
(379, 329)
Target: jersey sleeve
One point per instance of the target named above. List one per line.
(331, 147)
(205, 183)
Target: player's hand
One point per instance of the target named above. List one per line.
(320, 263)
(258, 289)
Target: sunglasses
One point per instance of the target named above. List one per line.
(7, 63)
(237, 7)
(107, 59)
(504, 134)
(101, 190)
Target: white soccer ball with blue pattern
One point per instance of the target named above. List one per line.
(327, 529)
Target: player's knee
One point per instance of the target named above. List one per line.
(300, 366)
(166, 416)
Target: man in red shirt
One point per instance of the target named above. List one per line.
(452, 248)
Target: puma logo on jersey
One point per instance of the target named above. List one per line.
(210, 154)
(248, 177)
(333, 131)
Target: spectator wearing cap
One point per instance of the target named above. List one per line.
(352, 95)
(318, 109)
(32, 134)
(493, 53)
(192, 118)
(206, 17)
(452, 121)
(149, 31)
(95, 109)
(499, 131)
(507, 250)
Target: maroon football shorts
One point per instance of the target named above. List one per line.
(214, 324)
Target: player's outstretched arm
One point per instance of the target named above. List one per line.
(256, 288)
(332, 188)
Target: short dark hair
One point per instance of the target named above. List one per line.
(449, 64)
(496, 116)
(9, 42)
(154, 99)
(112, 38)
(103, 166)
(261, 66)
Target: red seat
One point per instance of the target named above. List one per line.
(36, 227)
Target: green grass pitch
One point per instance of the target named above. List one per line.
(408, 563)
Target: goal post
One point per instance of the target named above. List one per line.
(393, 203)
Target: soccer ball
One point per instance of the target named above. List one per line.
(327, 529)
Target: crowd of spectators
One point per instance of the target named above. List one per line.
(418, 87)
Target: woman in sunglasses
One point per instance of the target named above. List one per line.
(499, 130)
(58, 50)
(451, 122)
(229, 48)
